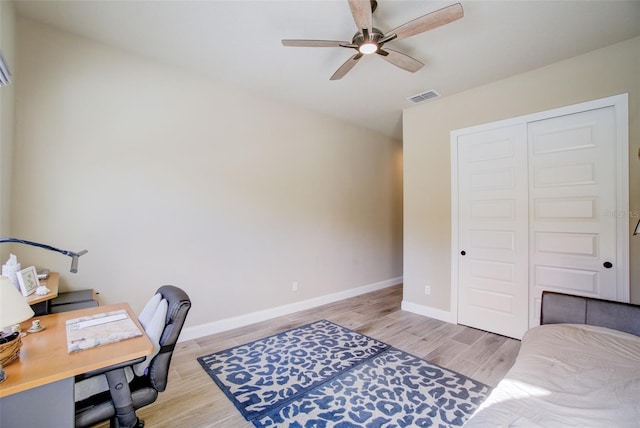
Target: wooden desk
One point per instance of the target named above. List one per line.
(52, 284)
(41, 381)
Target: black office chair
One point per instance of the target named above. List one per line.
(119, 403)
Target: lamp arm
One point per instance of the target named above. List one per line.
(74, 256)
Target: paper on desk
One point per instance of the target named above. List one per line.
(100, 329)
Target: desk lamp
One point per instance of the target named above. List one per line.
(13, 310)
(74, 256)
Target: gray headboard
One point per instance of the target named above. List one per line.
(566, 308)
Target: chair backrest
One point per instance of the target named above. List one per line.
(178, 307)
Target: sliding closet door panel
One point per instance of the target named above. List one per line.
(572, 196)
(493, 264)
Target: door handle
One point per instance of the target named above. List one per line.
(463, 252)
(607, 265)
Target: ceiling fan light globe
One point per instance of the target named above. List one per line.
(368, 48)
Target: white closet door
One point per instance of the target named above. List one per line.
(493, 230)
(540, 202)
(572, 206)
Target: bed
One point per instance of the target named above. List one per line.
(579, 368)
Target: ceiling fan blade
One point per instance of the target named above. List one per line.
(428, 22)
(346, 67)
(314, 43)
(362, 14)
(401, 60)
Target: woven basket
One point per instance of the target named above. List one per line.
(10, 351)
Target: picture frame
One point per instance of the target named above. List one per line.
(28, 280)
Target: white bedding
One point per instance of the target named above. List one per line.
(568, 375)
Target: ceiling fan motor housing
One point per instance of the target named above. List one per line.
(374, 36)
(368, 42)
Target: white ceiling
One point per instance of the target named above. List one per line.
(239, 42)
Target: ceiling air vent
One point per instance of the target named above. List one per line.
(417, 99)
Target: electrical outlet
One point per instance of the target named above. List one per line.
(294, 286)
(427, 290)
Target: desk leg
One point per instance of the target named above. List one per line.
(41, 308)
(47, 406)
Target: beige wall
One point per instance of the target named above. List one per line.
(427, 185)
(167, 177)
(7, 41)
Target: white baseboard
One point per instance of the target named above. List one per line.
(426, 311)
(201, 330)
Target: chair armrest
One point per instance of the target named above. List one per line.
(110, 368)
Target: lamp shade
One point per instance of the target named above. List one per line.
(13, 307)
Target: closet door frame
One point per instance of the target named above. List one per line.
(620, 103)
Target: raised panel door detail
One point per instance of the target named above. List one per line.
(491, 149)
(567, 280)
(565, 209)
(568, 244)
(491, 180)
(492, 239)
(565, 175)
(493, 210)
(495, 271)
(563, 140)
(490, 301)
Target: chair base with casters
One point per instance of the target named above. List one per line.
(127, 391)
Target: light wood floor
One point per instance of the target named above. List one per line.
(192, 399)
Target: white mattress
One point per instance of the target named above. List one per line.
(568, 375)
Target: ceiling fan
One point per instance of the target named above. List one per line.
(369, 40)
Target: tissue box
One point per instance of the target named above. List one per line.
(11, 269)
